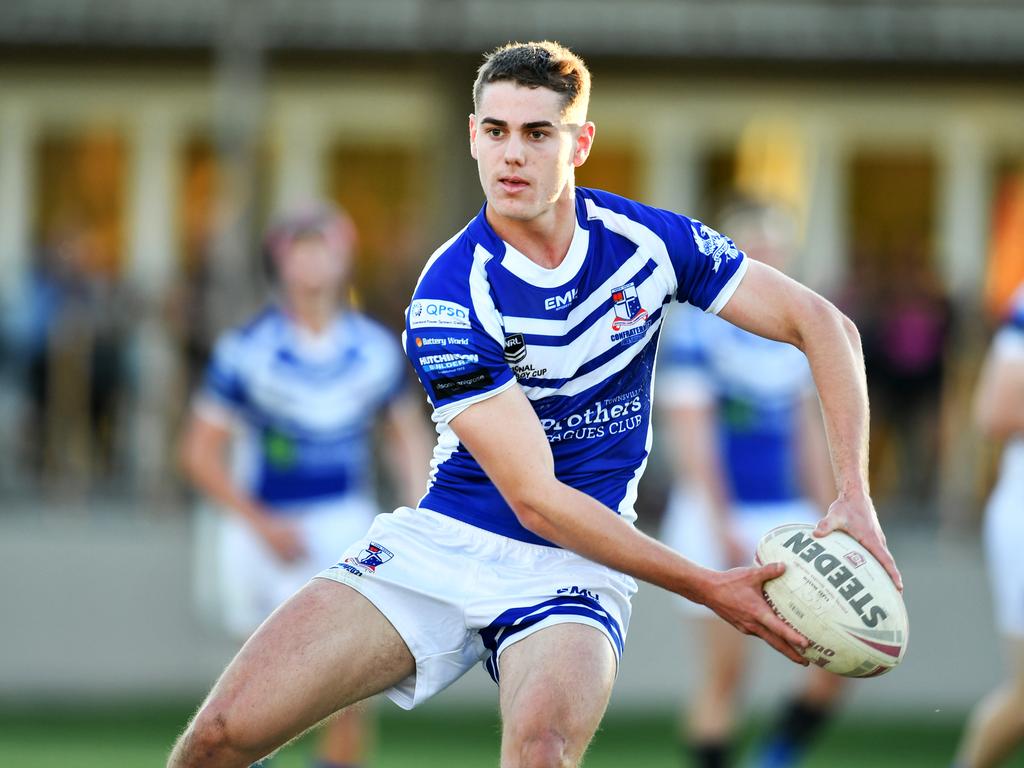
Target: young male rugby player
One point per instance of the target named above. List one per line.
(533, 331)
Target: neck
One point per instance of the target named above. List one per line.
(544, 240)
(313, 312)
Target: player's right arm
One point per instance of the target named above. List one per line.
(999, 397)
(506, 439)
(203, 458)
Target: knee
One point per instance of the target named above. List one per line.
(212, 739)
(541, 748)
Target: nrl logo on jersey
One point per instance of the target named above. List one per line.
(515, 348)
(626, 304)
(713, 245)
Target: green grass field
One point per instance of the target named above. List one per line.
(438, 737)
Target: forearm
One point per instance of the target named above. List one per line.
(578, 522)
(834, 352)
(209, 476)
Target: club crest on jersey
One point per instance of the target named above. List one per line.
(627, 307)
(515, 348)
(373, 556)
(712, 244)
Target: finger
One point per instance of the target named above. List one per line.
(779, 628)
(769, 571)
(781, 646)
(881, 554)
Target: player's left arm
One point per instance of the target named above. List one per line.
(407, 446)
(768, 303)
(815, 469)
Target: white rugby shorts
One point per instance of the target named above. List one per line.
(458, 594)
(240, 581)
(687, 528)
(1004, 536)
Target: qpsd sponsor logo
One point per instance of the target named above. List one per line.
(515, 348)
(438, 313)
(712, 244)
(441, 341)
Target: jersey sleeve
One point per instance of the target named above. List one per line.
(708, 265)
(684, 374)
(454, 339)
(223, 396)
(1009, 340)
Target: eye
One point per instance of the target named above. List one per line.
(494, 133)
(537, 135)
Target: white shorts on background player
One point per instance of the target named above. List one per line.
(458, 594)
(240, 580)
(688, 528)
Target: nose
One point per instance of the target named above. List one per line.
(515, 150)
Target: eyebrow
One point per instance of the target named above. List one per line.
(527, 126)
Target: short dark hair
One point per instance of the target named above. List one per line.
(544, 64)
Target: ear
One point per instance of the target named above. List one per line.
(584, 141)
(472, 135)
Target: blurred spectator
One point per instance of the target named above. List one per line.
(909, 325)
(67, 337)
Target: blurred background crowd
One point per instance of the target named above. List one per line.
(144, 146)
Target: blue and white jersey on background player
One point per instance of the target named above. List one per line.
(1004, 523)
(580, 341)
(301, 407)
(757, 389)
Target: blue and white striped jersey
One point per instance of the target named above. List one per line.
(757, 386)
(303, 404)
(1008, 346)
(580, 339)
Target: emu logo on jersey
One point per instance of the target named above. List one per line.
(627, 307)
(374, 555)
(712, 244)
(515, 348)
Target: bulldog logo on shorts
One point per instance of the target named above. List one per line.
(374, 555)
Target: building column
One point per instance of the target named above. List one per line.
(964, 203)
(16, 198)
(673, 165)
(824, 259)
(301, 154)
(151, 273)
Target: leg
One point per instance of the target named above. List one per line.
(711, 721)
(801, 720)
(555, 686)
(326, 648)
(996, 726)
(345, 738)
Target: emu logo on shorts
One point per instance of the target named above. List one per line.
(374, 555)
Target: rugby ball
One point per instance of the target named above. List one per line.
(837, 595)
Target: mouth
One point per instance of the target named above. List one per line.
(513, 184)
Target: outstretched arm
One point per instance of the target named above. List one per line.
(507, 440)
(772, 305)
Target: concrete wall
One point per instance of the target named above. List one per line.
(103, 608)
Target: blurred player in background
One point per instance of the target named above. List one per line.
(751, 454)
(996, 725)
(281, 437)
(534, 332)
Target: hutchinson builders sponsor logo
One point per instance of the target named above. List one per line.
(448, 361)
(438, 313)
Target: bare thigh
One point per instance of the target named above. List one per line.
(555, 686)
(323, 649)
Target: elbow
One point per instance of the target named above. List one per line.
(528, 504)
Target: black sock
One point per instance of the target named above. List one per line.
(797, 726)
(708, 754)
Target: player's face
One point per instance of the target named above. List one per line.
(310, 265)
(525, 149)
